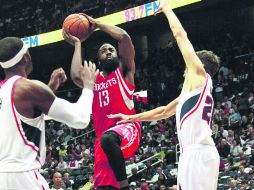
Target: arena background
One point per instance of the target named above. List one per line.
(223, 26)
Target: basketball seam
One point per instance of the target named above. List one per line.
(67, 20)
(80, 24)
(74, 23)
(79, 27)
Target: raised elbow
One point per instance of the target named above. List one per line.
(125, 36)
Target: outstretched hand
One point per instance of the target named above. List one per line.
(163, 4)
(89, 74)
(122, 117)
(57, 78)
(70, 38)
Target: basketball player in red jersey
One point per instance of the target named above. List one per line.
(113, 93)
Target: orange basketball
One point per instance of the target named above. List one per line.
(77, 25)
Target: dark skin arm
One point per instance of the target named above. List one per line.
(30, 96)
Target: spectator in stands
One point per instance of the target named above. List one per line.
(144, 184)
(244, 122)
(235, 148)
(89, 184)
(57, 182)
(245, 185)
(62, 165)
(84, 149)
(223, 148)
(73, 164)
(68, 135)
(230, 137)
(131, 165)
(250, 141)
(227, 101)
(234, 117)
(226, 110)
(133, 185)
(159, 172)
(67, 181)
(73, 152)
(162, 187)
(233, 185)
(135, 176)
(62, 152)
(223, 132)
(241, 174)
(162, 180)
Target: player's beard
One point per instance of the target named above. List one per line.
(109, 65)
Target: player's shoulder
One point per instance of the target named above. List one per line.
(29, 84)
(27, 87)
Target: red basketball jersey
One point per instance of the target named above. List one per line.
(112, 94)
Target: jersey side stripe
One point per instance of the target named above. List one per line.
(130, 92)
(188, 105)
(130, 96)
(128, 102)
(197, 105)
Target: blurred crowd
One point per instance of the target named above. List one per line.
(70, 155)
(26, 18)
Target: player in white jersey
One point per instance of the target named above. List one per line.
(23, 104)
(199, 160)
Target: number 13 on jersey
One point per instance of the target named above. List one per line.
(103, 98)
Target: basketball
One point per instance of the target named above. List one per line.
(77, 25)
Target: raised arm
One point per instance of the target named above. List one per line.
(76, 63)
(192, 61)
(159, 113)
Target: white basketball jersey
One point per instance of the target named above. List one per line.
(194, 114)
(20, 137)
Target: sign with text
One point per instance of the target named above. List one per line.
(121, 17)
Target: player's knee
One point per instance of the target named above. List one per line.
(106, 141)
